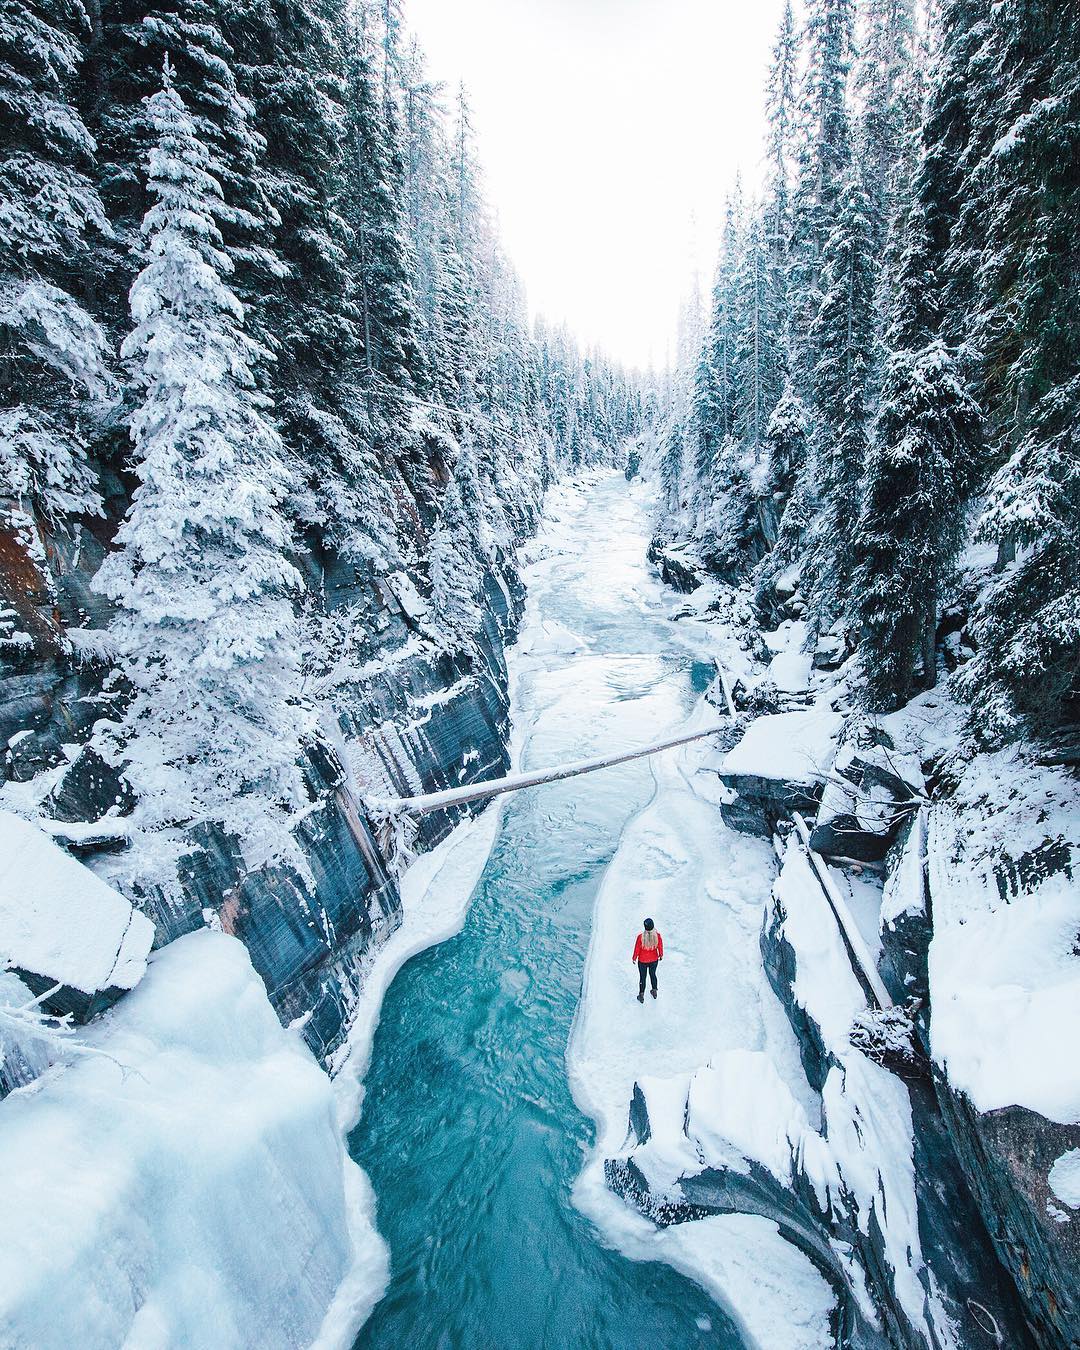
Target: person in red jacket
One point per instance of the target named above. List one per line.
(648, 953)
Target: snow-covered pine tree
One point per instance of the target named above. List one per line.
(53, 372)
(375, 208)
(131, 39)
(781, 111)
(712, 411)
(758, 341)
(785, 493)
(671, 479)
(823, 166)
(459, 551)
(950, 127)
(291, 58)
(201, 574)
(786, 442)
(843, 338)
(882, 80)
(1027, 670)
(922, 465)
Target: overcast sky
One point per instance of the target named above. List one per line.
(606, 127)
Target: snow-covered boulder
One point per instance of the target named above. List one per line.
(62, 925)
(778, 767)
(187, 1186)
(679, 566)
(88, 789)
(870, 793)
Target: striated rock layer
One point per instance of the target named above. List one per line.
(408, 716)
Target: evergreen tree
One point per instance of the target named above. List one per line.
(205, 628)
(460, 546)
(53, 372)
(921, 468)
(383, 265)
(883, 81)
(843, 339)
(711, 415)
(671, 474)
(131, 39)
(295, 68)
(823, 166)
(786, 491)
(758, 344)
(1026, 279)
(781, 110)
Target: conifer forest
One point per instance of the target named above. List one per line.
(378, 648)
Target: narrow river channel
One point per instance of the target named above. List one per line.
(469, 1132)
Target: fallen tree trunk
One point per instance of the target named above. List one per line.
(494, 787)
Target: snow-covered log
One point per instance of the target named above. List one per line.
(472, 792)
(853, 939)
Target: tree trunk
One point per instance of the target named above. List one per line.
(929, 650)
(1005, 555)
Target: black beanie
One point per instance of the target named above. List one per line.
(648, 923)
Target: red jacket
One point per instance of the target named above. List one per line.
(646, 958)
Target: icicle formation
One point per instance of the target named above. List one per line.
(206, 631)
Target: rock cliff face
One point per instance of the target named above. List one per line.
(410, 717)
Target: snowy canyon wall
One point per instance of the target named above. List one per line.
(933, 1182)
(411, 717)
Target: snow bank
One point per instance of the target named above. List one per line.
(706, 887)
(792, 747)
(782, 1301)
(58, 920)
(1004, 854)
(791, 671)
(905, 885)
(190, 1190)
(791, 668)
(1064, 1178)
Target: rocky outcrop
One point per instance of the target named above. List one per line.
(778, 767)
(679, 566)
(955, 1244)
(1006, 1156)
(871, 792)
(72, 941)
(751, 1189)
(1004, 988)
(413, 717)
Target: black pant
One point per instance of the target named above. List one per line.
(646, 970)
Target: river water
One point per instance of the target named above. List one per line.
(469, 1132)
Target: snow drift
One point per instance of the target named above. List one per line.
(186, 1187)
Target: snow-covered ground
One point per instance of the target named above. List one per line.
(706, 887)
(184, 1186)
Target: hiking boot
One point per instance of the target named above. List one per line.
(653, 992)
(641, 998)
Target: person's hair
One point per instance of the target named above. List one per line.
(648, 939)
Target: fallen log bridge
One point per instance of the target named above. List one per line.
(494, 787)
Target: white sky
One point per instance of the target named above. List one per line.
(606, 127)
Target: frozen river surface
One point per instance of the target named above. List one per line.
(469, 1131)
